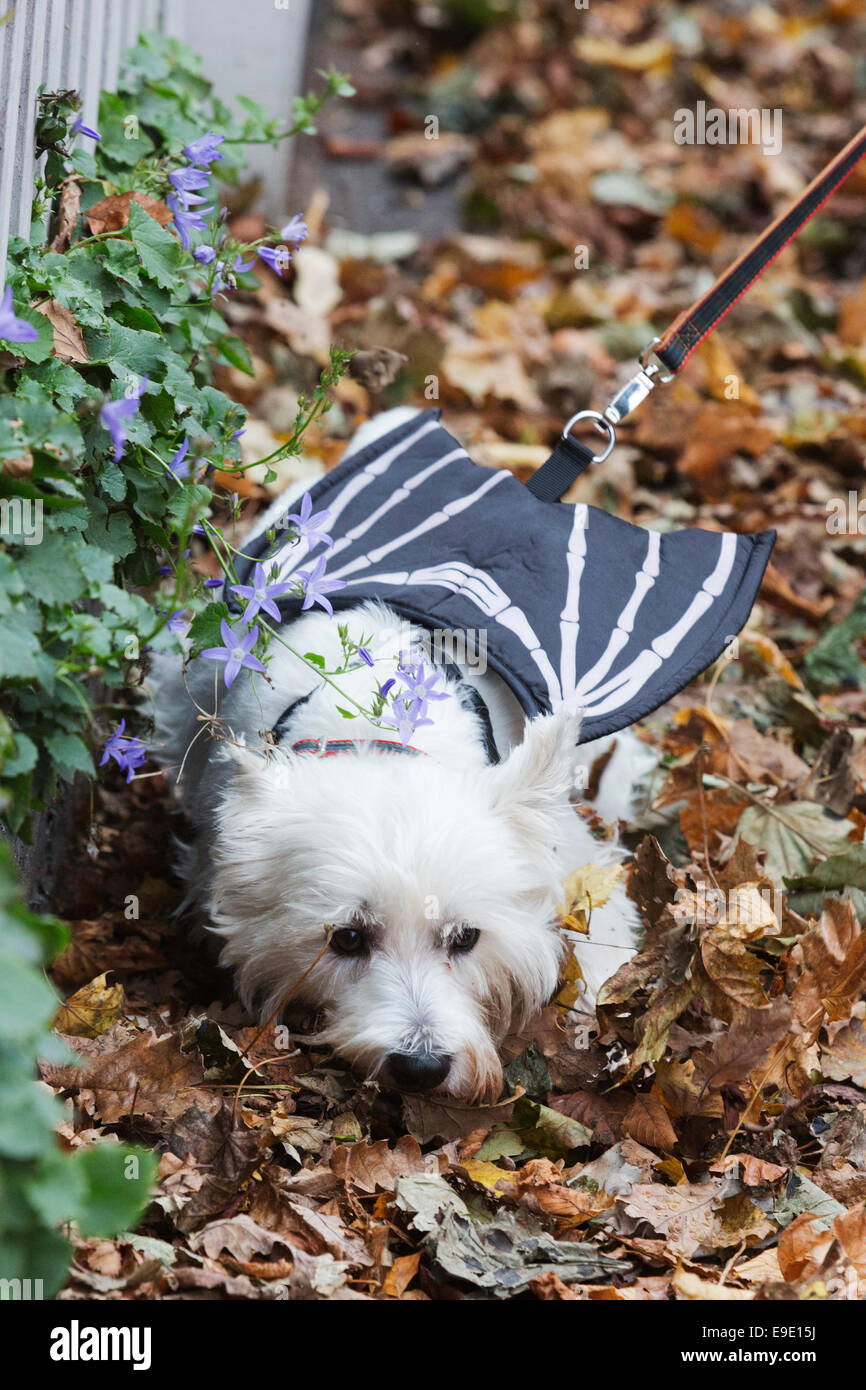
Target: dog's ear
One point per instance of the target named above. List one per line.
(538, 775)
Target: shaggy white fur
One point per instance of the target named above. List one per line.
(442, 872)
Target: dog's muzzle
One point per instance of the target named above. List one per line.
(416, 1071)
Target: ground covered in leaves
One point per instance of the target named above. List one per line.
(703, 1136)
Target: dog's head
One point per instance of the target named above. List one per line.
(439, 888)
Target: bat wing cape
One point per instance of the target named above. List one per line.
(579, 607)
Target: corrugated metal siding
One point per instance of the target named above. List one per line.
(62, 43)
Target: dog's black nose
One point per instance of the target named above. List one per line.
(417, 1071)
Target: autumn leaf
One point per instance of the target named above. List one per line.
(846, 1058)
(240, 1236)
(734, 969)
(683, 1091)
(488, 1175)
(746, 1046)
(400, 1275)
(144, 1075)
(764, 758)
(771, 655)
(724, 377)
(654, 55)
(585, 889)
(479, 370)
(69, 344)
(693, 1288)
(793, 835)
(653, 882)
(722, 429)
(374, 1167)
(573, 984)
(754, 1171)
(653, 1026)
(833, 977)
(91, 1010)
(647, 1121)
(68, 210)
(698, 1217)
(806, 1243)
(111, 214)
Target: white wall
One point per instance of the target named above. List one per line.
(253, 48)
(249, 46)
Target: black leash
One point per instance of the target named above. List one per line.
(673, 349)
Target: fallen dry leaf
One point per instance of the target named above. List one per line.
(693, 1288)
(68, 343)
(91, 1010)
(587, 888)
(111, 214)
(68, 210)
(373, 1167)
(400, 1275)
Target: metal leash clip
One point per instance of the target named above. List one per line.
(627, 399)
(636, 390)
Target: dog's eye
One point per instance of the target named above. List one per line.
(348, 941)
(463, 938)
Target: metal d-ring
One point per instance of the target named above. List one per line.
(603, 426)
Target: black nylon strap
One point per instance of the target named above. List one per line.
(569, 459)
(692, 326)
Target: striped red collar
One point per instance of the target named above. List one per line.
(327, 748)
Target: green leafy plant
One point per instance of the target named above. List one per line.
(101, 1187)
(124, 331)
(109, 330)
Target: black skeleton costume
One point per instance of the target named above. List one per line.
(580, 608)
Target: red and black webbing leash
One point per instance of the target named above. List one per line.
(675, 346)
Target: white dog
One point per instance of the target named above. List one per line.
(439, 874)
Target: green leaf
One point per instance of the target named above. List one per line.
(847, 870)
(501, 1142)
(70, 753)
(530, 1071)
(234, 350)
(135, 316)
(549, 1133)
(802, 1195)
(57, 1188)
(18, 649)
(160, 252)
(315, 658)
(41, 347)
(113, 533)
(115, 142)
(26, 1000)
(23, 759)
(112, 480)
(204, 629)
(127, 351)
(793, 835)
(116, 1181)
(834, 660)
(35, 1247)
(28, 1115)
(620, 188)
(50, 571)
